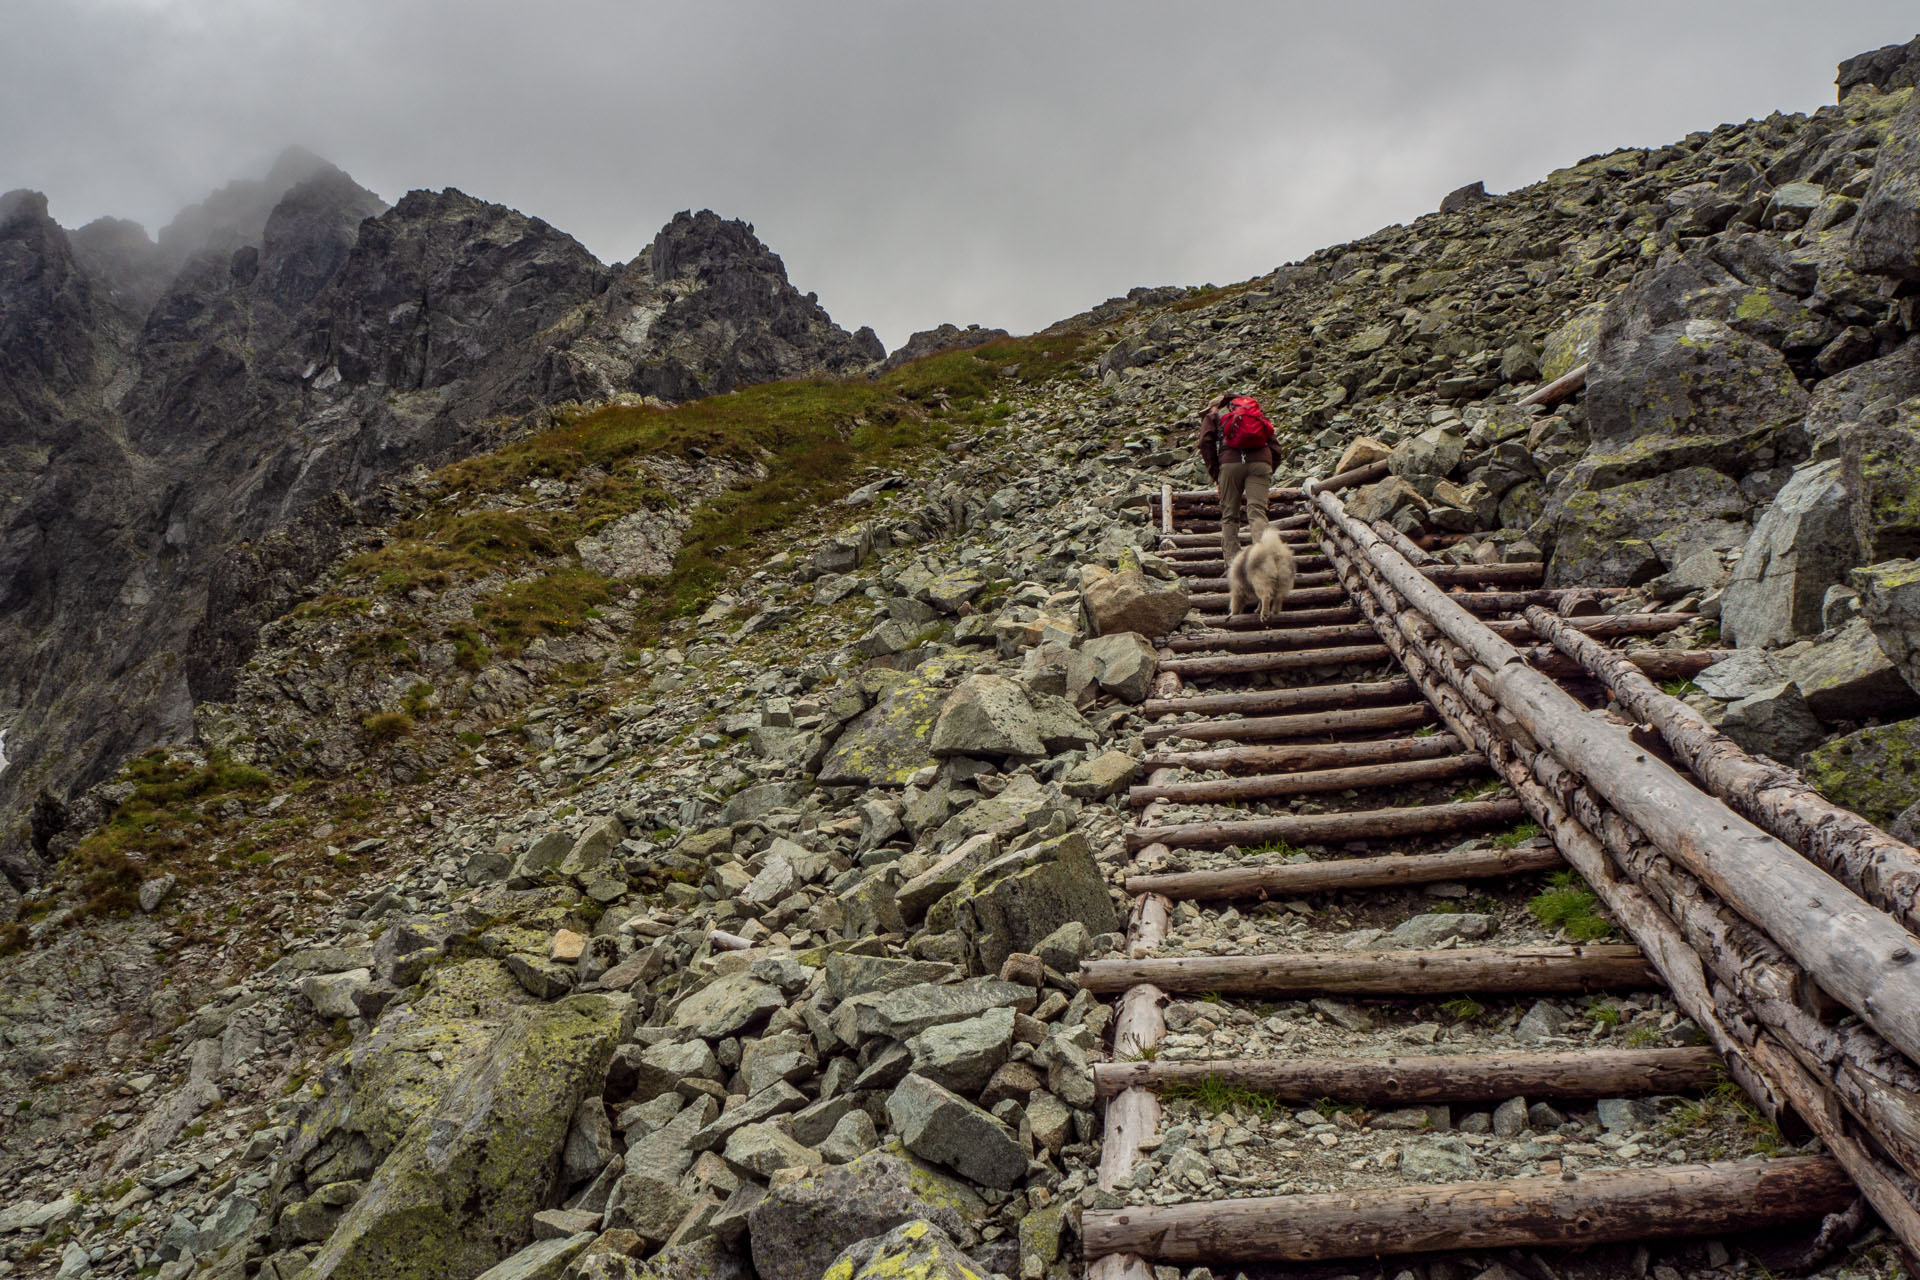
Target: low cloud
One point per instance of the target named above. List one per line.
(998, 163)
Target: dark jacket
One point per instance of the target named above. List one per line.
(1208, 442)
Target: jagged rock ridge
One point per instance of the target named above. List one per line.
(177, 460)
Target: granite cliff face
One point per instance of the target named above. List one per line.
(187, 426)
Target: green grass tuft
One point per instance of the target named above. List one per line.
(1214, 1094)
(1569, 906)
(1462, 1008)
(1515, 838)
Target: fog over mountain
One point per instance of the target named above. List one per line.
(1002, 163)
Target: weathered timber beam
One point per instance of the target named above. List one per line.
(1316, 724)
(1201, 641)
(1345, 694)
(1313, 782)
(1309, 755)
(1881, 869)
(1290, 660)
(1783, 1063)
(1559, 389)
(1332, 828)
(1288, 878)
(1398, 974)
(1605, 625)
(1596, 1207)
(1860, 955)
(1404, 1081)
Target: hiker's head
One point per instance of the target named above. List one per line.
(1220, 402)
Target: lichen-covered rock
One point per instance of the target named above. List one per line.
(1886, 231)
(1625, 534)
(1890, 603)
(1106, 774)
(460, 1191)
(1123, 664)
(1130, 601)
(1773, 720)
(1015, 901)
(1874, 771)
(1850, 677)
(545, 1260)
(801, 1226)
(916, 1250)
(939, 1125)
(727, 1005)
(1802, 545)
(888, 743)
(987, 715)
(1569, 345)
(375, 1095)
(1880, 461)
(1432, 454)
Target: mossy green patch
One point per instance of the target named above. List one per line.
(1873, 771)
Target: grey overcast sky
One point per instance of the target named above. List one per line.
(1001, 162)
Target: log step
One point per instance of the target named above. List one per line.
(1392, 974)
(1407, 1081)
(1291, 660)
(1294, 878)
(1597, 1207)
(1603, 627)
(1479, 602)
(1312, 755)
(1332, 828)
(1399, 688)
(1268, 786)
(1256, 728)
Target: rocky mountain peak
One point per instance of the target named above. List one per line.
(706, 245)
(237, 213)
(1891, 67)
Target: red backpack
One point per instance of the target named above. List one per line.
(1243, 426)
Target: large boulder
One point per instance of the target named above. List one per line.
(1019, 898)
(1801, 546)
(1851, 677)
(459, 1192)
(1627, 533)
(917, 1249)
(1123, 664)
(1890, 603)
(803, 1224)
(1880, 461)
(987, 715)
(939, 1125)
(1131, 601)
(373, 1097)
(1886, 231)
(1868, 392)
(887, 744)
(1875, 771)
(1890, 67)
(1697, 387)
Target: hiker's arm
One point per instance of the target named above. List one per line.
(1208, 442)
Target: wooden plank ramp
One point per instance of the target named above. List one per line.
(1400, 981)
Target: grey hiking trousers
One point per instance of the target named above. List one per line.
(1243, 490)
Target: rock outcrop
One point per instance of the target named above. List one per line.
(186, 427)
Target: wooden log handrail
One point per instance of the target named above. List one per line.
(1778, 1053)
(1881, 869)
(1860, 955)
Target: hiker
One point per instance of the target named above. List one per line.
(1236, 442)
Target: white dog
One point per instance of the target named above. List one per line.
(1263, 572)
